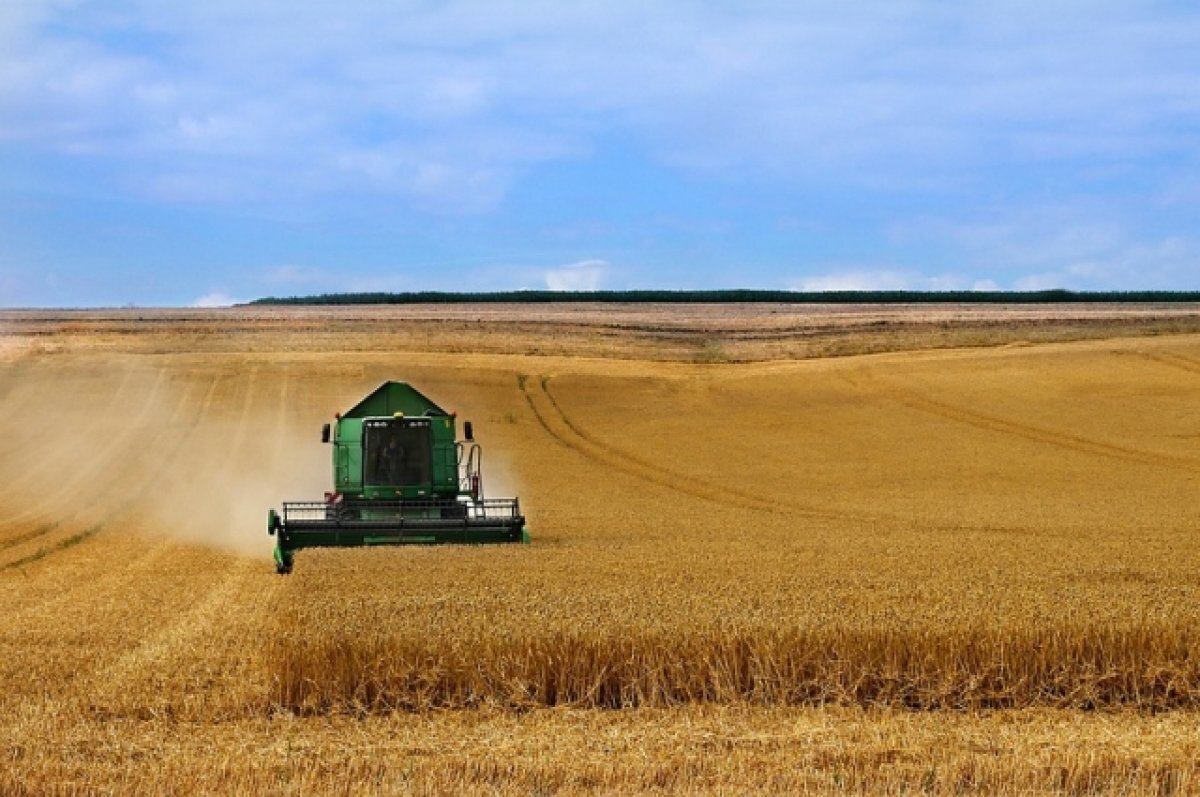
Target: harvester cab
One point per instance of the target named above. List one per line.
(400, 477)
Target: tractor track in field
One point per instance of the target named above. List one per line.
(114, 446)
(97, 462)
(569, 434)
(1172, 360)
(30, 476)
(130, 501)
(173, 642)
(243, 421)
(239, 588)
(101, 460)
(99, 597)
(196, 610)
(15, 387)
(238, 591)
(1063, 440)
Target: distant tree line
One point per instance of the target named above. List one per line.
(740, 295)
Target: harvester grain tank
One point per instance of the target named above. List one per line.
(401, 476)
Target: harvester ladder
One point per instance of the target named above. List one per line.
(470, 470)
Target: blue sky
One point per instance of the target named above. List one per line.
(156, 153)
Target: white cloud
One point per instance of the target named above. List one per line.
(216, 299)
(1088, 257)
(1039, 282)
(450, 187)
(838, 113)
(586, 275)
(1074, 247)
(886, 279)
(855, 281)
(454, 100)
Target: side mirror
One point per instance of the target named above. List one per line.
(469, 432)
(325, 433)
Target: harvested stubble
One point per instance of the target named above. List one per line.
(997, 529)
(1153, 667)
(695, 749)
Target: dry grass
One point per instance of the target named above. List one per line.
(968, 570)
(1150, 668)
(686, 750)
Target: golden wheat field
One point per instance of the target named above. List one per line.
(775, 550)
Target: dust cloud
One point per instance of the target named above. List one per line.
(76, 441)
(491, 416)
(195, 455)
(231, 475)
(500, 479)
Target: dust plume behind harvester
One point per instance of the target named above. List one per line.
(401, 476)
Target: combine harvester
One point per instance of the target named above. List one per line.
(400, 477)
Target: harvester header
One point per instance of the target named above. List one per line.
(401, 476)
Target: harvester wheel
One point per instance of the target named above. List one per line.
(283, 561)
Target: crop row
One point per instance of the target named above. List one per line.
(1150, 667)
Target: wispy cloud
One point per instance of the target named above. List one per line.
(462, 94)
(1038, 247)
(216, 299)
(918, 144)
(586, 275)
(1039, 282)
(1123, 264)
(888, 279)
(854, 280)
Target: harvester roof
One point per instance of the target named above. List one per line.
(392, 397)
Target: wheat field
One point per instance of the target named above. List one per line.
(965, 564)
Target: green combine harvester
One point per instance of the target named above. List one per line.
(400, 477)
